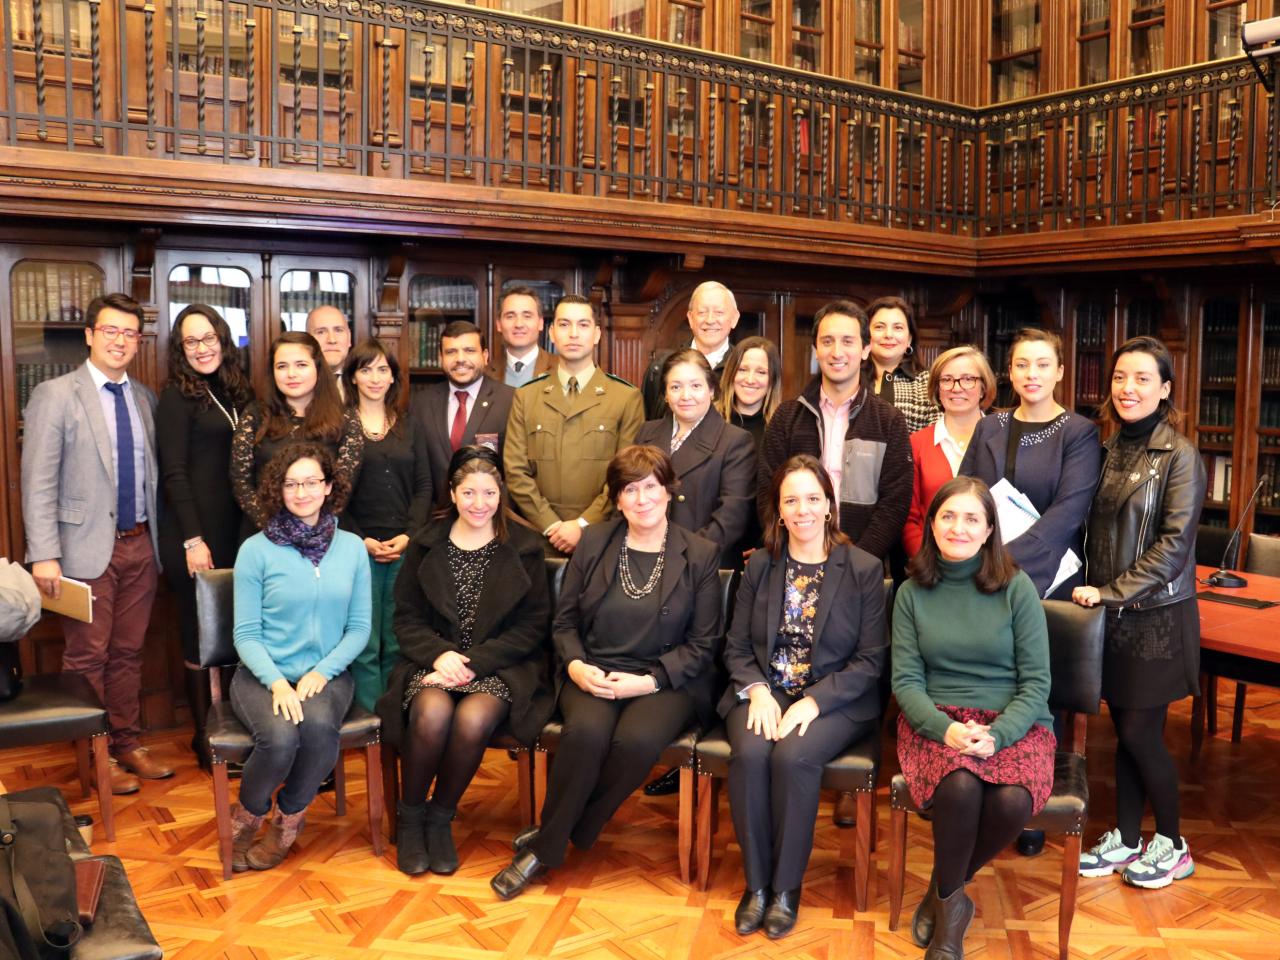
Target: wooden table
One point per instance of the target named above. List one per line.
(1238, 643)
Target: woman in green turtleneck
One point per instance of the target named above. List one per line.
(1140, 565)
(971, 674)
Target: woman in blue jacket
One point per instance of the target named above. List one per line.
(302, 611)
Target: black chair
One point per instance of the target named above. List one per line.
(1075, 662)
(679, 753)
(228, 739)
(854, 771)
(1211, 547)
(63, 708)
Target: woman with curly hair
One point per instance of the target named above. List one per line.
(302, 610)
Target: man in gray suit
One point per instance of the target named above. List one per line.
(465, 408)
(89, 506)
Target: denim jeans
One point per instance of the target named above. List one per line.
(298, 755)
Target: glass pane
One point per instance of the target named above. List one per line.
(434, 302)
(806, 51)
(1219, 341)
(548, 9)
(866, 24)
(310, 47)
(1015, 26)
(758, 8)
(1095, 16)
(627, 16)
(1147, 53)
(1094, 57)
(301, 291)
(454, 62)
(21, 14)
(226, 289)
(47, 303)
(756, 42)
(1091, 343)
(910, 74)
(1143, 319)
(911, 25)
(866, 65)
(1143, 11)
(1020, 77)
(1224, 32)
(685, 25)
(806, 13)
(229, 17)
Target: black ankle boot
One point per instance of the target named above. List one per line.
(197, 683)
(923, 920)
(784, 907)
(411, 842)
(954, 914)
(749, 916)
(442, 855)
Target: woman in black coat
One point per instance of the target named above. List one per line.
(635, 634)
(472, 611)
(714, 462)
(804, 654)
(200, 408)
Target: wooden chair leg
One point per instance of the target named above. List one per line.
(1237, 714)
(685, 831)
(390, 785)
(373, 784)
(524, 788)
(897, 863)
(340, 787)
(708, 796)
(222, 815)
(1070, 882)
(83, 767)
(866, 827)
(1209, 689)
(102, 773)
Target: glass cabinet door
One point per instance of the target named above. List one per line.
(1015, 49)
(434, 302)
(301, 291)
(1216, 428)
(226, 289)
(1146, 36)
(1091, 357)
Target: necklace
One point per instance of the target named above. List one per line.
(233, 417)
(624, 572)
(375, 436)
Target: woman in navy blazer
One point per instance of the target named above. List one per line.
(805, 653)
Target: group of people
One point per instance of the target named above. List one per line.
(398, 562)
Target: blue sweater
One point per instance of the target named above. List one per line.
(293, 617)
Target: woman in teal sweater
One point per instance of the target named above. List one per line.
(971, 674)
(302, 611)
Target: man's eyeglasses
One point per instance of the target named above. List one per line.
(114, 333)
(314, 485)
(209, 340)
(966, 382)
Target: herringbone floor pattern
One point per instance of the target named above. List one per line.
(624, 900)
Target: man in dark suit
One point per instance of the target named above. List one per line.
(89, 479)
(520, 322)
(329, 326)
(713, 313)
(467, 407)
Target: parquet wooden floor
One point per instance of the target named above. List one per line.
(623, 900)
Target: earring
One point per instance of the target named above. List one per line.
(779, 521)
(909, 351)
(828, 517)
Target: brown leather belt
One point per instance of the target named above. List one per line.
(137, 531)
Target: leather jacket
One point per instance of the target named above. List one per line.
(1140, 537)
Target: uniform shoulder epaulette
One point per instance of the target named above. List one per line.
(537, 379)
(617, 379)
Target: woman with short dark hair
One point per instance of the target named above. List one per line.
(896, 377)
(635, 636)
(971, 674)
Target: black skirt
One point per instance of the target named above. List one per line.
(1152, 657)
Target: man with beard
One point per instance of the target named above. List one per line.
(467, 407)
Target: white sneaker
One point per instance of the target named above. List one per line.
(1161, 864)
(1108, 855)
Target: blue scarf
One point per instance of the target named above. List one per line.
(312, 542)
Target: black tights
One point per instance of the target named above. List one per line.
(973, 821)
(445, 741)
(1144, 771)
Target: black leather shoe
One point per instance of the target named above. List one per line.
(1030, 843)
(781, 915)
(750, 913)
(923, 920)
(524, 838)
(665, 785)
(846, 811)
(511, 880)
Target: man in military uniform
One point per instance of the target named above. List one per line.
(564, 429)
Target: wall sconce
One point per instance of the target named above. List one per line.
(1260, 37)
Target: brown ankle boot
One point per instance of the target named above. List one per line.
(953, 915)
(244, 828)
(276, 843)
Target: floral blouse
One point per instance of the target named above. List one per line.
(789, 665)
(248, 457)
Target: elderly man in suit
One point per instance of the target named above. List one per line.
(713, 314)
(564, 429)
(332, 331)
(467, 407)
(89, 506)
(520, 323)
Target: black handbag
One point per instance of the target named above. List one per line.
(10, 671)
(37, 881)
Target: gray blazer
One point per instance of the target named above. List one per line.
(68, 481)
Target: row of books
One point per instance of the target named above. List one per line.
(1221, 321)
(1271, 365)
(1091, 327)
(1015, 79)
(1218, 363)
(1095, 15)
(1016, 26)
(1219, 470)
(1269, 414)
(53, 292)
(442, 293)
(1217, 410)
(30, 374)
(1090, 378)
(424, 343)
(1269, 472)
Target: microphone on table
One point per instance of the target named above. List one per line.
(1224, 577)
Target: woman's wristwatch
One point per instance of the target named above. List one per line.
(192, 543)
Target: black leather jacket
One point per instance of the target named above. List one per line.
(1141, 533)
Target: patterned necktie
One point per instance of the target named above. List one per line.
(126, 500)
(573, 386)
(459, 420)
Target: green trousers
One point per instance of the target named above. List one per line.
(372, 666)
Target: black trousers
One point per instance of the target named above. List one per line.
(606, 751)
(773, 791)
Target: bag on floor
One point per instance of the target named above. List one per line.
(38, 913)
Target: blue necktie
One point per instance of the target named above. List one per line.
(126, 506)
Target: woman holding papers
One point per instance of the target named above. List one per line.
(1140, 565)
(1049, 454)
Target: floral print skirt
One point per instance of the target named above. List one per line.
(1026, 763)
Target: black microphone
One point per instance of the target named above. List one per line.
(1225, 578)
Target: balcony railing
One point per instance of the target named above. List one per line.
(455, 94)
